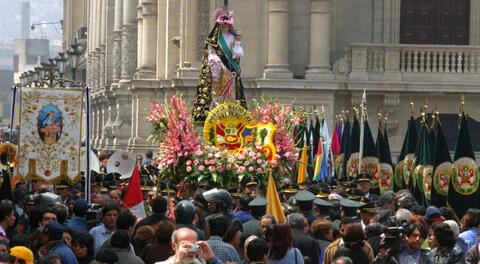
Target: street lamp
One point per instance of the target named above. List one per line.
(74, 55)
(60, 61)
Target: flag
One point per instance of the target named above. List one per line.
(274, 207)
(442, 168)
(316, 135)
(385, 168)
(302, 166)
(422, 166)
(463, 186)
(369, 163)
(318, 161)
(410, 147)
(335, 141)
(325, 168)
(133, 198)
(310, 154)
(344, 150)
(352, 162)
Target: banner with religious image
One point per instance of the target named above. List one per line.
(50, 134)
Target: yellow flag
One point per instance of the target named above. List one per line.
(274, 206)
(302, 167)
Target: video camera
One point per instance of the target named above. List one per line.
(93, 215)
(394, 234)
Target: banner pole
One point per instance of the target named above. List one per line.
(12, 114)
(87, 145)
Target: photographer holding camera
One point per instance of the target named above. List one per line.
(409, 249)
(188, 250)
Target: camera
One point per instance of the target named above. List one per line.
(194, 248)
(394, 234)
(93, 216)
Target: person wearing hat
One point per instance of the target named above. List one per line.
(78, 223)
(244, 213)
(63, 189)
(258, 208)
(251, 185)
(368, 214)
(289, 190)
(304, 200)
(433, 215)
(322, 209)
(53, 233)
(22, 253)
(364, 185)
(348, 208)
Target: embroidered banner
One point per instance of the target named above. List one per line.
(50, 134)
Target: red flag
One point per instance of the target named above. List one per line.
(133, 198)
(335, 143)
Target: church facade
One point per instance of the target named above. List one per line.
(311, 53)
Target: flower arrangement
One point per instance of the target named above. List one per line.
(183, 157)
(173, 126)
(285, 119)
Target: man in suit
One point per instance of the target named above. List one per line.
(304, 200)
(301, 240)
(258, 208)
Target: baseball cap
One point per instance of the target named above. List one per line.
(22, 253)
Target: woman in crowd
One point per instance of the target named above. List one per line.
(161, 250)
(281, 246)
(83, 248)
(144, 236)
(446, 252)
(354, 240)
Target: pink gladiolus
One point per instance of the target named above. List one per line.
(240, 157)
(188, 169)
(206, 162)
(247, 163)
(189, 162)
(228, 167)
(259, 161)
(259, 170)
(251, 154)
(201, 168)
(211, 168)
(241, 169)
(212, 162)
(195, 162)
(199, 152)
(250, 169)
(210, 155)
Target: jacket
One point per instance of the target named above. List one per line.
(422, 260)
(335, 245)
(452, 255)
(63, 251)
(125, 257)
(307, 245)
(473, 254)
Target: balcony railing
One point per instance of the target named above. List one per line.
(427, 63)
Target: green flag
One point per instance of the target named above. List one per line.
(352, 162)
(422, 166)
(370, 158)
(442, 168)
(398, 178)
(410, 147)
(385, 168)
(463, 187)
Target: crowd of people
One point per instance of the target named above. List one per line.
(341, 222)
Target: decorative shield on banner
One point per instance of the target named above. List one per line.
(465, 176)
(50, 130)
(385, 177)
(370, 167)
(352, 165)
(427, 180)
(441, 177)
(339, 165)
(407, 167)
(399, 173)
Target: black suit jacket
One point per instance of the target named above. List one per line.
(307, 245)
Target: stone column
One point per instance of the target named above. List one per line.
(319, 60)
(278, 30)
(149, 40)
(129, 38)
(117, 41)
(103, 41)
(140, 33)
(121, 126)
(189, 20)
(474, 22)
